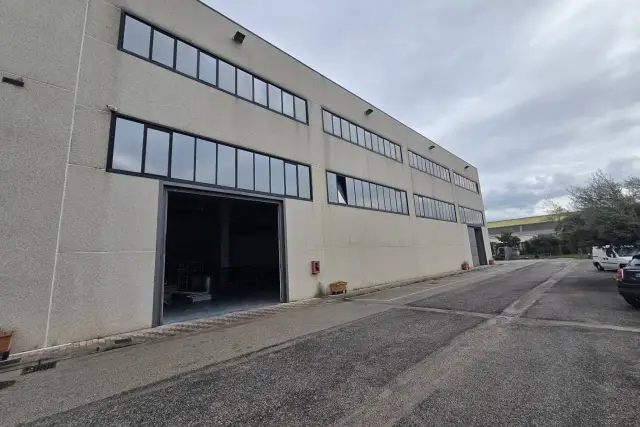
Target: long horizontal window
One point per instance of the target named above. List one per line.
(345, 190)
(427, 207)
(350, 132)
(471, 216)
(464, 182)
(425, 165)
(145, 149)
(161, 48)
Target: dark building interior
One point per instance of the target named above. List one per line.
(221, 255)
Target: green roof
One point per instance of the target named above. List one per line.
(521, 221)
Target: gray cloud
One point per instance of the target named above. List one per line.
(537, 95)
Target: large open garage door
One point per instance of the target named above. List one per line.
(221, 254)
(476, 242)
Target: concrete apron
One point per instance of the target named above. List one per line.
(45, 356)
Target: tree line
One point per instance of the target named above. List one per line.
(602, 212)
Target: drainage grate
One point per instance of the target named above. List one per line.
(39, 367)
(122, 341)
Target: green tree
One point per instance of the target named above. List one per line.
(604, 211)
(509, 239)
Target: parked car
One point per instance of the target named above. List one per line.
(612, 257)
(629, 282)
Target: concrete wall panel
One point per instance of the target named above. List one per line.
(41, 39)
(100, 294)
(107, 212)
(34, 136)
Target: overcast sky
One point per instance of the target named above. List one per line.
(537, 94)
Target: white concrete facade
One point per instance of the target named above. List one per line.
(78, 253)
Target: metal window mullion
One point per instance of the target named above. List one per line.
(169, 160)
(195, 155)
(236, 80)
(269, 159)
(153, 36)
(217, 163)
(198, 52)
(294, 106)
(295, 166)
(175, 53)
(144, 148)
(218, 86)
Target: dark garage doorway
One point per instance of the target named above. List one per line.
(476, 241)
(221, 254)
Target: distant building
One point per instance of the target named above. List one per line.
(524, 228)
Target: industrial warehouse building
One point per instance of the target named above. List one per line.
(161, 163)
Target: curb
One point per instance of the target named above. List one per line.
(28, 359)
(20, 361)
(372, 289)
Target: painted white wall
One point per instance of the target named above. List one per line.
(107, 236)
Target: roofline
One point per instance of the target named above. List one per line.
(537, 219)
(332, 81)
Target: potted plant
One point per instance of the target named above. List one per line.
(5, 344)
(491, 262)
(465, 265)
(339, 287)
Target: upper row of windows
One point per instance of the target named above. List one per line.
(150, 43)
(350, 132)
(147, 42)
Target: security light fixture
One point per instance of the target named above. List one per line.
(466, 167)
(239, 37)
(432, 147)
(368, 112)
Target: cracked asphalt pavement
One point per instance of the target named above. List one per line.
(441, 353)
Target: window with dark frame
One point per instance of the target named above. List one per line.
(416, 161)
(146, 149)
(471, 216)
(345, 190)
(466, 183)
(357, 135)
(159, 47)
(427, 207)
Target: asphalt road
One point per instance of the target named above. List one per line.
(565, 351)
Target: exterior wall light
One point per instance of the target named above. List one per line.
(432, 147)
(239, 37)
(368, 112)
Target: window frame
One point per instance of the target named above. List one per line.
(462, 219)
(171, 130)
(431, 208)
(431, 167)
(378, 186)
(462, 182)
(374, 136)
(176, 39)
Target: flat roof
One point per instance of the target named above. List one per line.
(331, 80)
(522, 221)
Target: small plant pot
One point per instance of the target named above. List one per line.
(465, 266)
(491, 262)
(5, 344)
(339, 287)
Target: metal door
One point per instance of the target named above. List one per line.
(475, 257)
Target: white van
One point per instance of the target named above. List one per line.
(612, 257)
